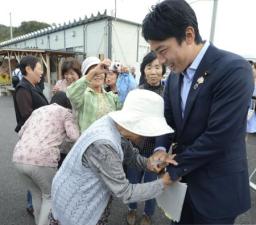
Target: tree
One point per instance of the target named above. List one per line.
(24, 28)
(31, 26)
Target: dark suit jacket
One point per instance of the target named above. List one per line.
(211, 136)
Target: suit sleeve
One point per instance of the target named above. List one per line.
(230, 97)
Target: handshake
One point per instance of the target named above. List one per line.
(158, 162)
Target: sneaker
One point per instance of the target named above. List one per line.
(131, 217)
(30, 211)
(146, 220)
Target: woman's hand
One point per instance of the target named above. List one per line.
(166, 179)
(102, 67)
(159, 160)
(55, 89)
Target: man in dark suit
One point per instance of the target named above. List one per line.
(206, 99)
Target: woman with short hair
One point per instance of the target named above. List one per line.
(88, 96)
(28, 96)
(70, 72)
(152, 71)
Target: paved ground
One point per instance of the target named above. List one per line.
(12, 191)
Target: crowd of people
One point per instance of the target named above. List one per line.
(104, 135)
(86, 93)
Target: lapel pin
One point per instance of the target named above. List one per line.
(200, 80)
(195, 86)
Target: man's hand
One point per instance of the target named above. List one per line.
(159, 160)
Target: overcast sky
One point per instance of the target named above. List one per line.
(235, 25)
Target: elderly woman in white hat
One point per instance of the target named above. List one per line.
(87, 95)
(93, 170)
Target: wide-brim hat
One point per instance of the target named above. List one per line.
(88, 62)
(142, 114)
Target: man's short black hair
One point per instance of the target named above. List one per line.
(170, 18)
(30, 61)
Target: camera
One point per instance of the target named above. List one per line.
(115, 66)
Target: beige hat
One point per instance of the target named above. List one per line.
(88, 62)
(142, 114)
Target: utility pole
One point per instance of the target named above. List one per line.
(214, 15)
(11, 35)
(115, 9)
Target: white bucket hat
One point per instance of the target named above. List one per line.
(88, 62)
(142, 114)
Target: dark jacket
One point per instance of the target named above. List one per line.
(157, 89)
(37, 97)
(147, 146)
(211, 149)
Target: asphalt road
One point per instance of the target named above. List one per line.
(12, 190)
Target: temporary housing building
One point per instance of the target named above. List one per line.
(101, 35)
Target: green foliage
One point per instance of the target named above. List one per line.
(4, 32)
(24, 28)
